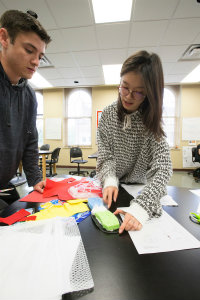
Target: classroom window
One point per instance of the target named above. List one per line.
(78, 117)
(171, 117)
(39, 120)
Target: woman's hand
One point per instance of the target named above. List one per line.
(110, 193)
(129, 223)
(39, 187)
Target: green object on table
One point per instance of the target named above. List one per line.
(107, 219)
(195, 217)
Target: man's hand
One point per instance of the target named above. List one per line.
(39, 187)
(129, 223)
(110, 193)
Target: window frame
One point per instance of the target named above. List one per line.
(40, 117)
(67, 94)
(176, 92)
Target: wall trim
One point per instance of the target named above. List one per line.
(75, 167)
(185, 170)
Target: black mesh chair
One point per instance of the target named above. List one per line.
(45, 147)
(196, 158)
(76, 152)
(51, 163)
(196, 154)
(19, 178)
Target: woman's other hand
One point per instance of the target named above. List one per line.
(129, 223)
(110, 193)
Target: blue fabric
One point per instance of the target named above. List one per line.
(95, 201)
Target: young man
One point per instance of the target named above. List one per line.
(23, 42)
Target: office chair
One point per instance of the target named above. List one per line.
(45, 147)
(76, 152)
(19, 179)
(52, 162)
(196, 158)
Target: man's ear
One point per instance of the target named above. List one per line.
(4, 37)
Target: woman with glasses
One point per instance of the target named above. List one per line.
(131, 142)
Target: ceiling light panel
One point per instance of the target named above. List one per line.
(106, 11)
(112, 73)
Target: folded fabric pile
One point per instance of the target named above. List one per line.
(71, 188)
(42, 260)
(65, 190)
(61, 209)
(17, 216)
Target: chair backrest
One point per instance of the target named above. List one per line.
(45, 147)
(55, 154)
(75, 152)
(195, 154)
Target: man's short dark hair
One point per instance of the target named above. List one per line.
(15, 22)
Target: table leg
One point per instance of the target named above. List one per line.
(54, 168)
(20, 168)
(43, 167)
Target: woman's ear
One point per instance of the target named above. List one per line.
(4, 38)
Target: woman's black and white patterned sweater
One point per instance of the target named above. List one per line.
(127, 153)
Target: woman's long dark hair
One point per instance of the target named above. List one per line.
(150, 68)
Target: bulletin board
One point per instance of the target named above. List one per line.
(53, 129)
(99, 112)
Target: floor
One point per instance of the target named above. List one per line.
(179, 178)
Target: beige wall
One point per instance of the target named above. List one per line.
(190, 108)
(102, 96)
(54, 108)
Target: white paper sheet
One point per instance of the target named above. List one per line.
(136, 189)
(162, 235)
(196, 192)
(167, 200)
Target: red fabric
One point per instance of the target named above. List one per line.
(15, 217)
(61, 190)
(29, 218)
(52, 187)
(64, 193)
(83, 186)
(88, 187)
(36, 197)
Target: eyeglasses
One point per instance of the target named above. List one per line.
(124, 91)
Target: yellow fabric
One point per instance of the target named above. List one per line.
(66, 210)
(77, 201)
(75, 207)
(50, 204)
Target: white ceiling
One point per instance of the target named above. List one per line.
(80, 47)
